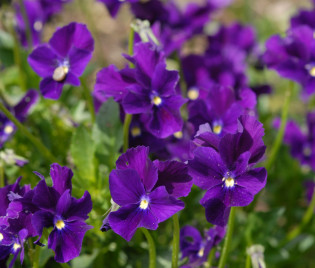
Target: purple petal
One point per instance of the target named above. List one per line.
(136, 102)
(125, 186)
(45, 197)
(79, 59)
(137, 159)
(61, 177)
(80, 208)
(162, 205)
(51, 89)
(22, 108)
(216, 212)
(64, 203)
(42, 219)
(253, 180)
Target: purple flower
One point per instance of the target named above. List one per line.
(63, 60)
(293, 57)
(198, 249)
(146, 191)
(302, 145)
(149, 90)
(66, 214)
(310, 186)
(223, 167)
(20, 111)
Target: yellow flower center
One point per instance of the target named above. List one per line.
(1, 237)
(193, 94)
(156, 100)
(229, 182)
(144, 204)
(201, 252)
(135, 131)
(60, 73)
(312, 71)
(16, 246)
(60, 224)
(178, 135)
(8, 129)
(217, 129)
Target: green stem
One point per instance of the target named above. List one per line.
(248, 261)
(175, 241)
(228, 238)
(130, 44)
(89, 99)
(152, 252)
(1, 174)
(65, 265)
(128, 118)
(211, 257)
(284, 118)
(45, 152)
(28, 31)
(305, 220)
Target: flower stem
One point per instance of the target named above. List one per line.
(130, 44)
(38, 144)
(284, 118)
(211, 256)
(152, 252)
(89, 99)
(28, 29)
(128, 118)
(175, 241)
(305, 220)
(1, 174)
(228, 238)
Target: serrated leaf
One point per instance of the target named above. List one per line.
(82, 151)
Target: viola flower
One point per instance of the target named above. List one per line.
(293, 57)
(36, 19)
(302, 145)
(63, 60)
(66, 214)
(146, 191)
(220, 109)
(147, 90)
(226, 171)
(198, 249)
(20, 111)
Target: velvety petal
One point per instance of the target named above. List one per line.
(73, 34)
(79, 59)
(125, 220)
(79, 208)
(206, 138)
(42, 219)
(164, 81)
(61, 177)
(138, 159)
(215, 192)
(43, 61)
(51, 89)
(125, 186)
(253, 181)
(110, 82)
(64, 203)
(207, 168)
(241, 163)
(45, 197)
(67, 242)
(112, 6)
(188, 246)
(216, 212)
(174, 176)
(22, 108)
(72, 79)
(162, 205)
(238, 197)
(135, 102)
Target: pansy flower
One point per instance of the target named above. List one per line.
(197, 248)
(63, 60)
(20, 111)
(56, 208)
(113, 6)
(146, 191)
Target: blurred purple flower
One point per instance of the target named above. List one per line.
(63, 60)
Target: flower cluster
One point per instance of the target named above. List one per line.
(25, 212)
(146, 192)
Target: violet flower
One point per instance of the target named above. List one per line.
(224, 167)
(293, 57)
(146, 191)
(20, 111)
(66, 214)
(198, 249)
(149, 90)
(63, 60)
(113, 6)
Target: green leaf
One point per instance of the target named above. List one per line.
(82, 151)
(85, 260)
